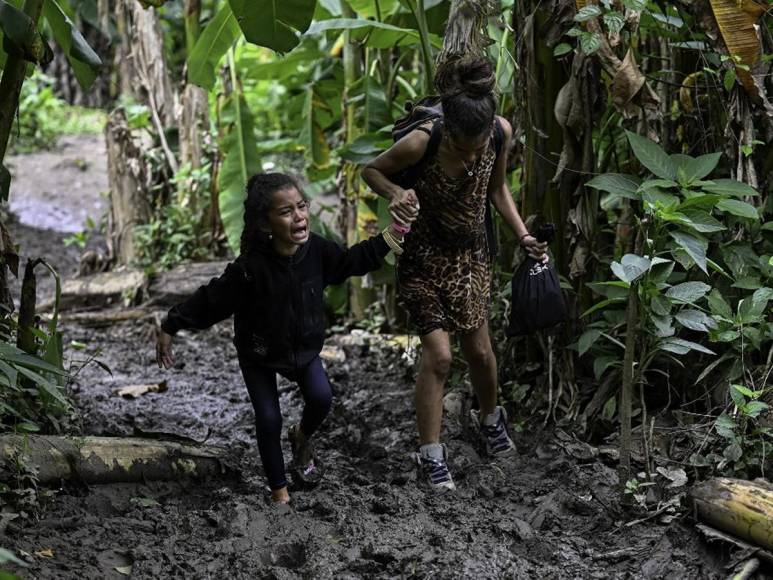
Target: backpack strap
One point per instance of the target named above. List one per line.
(499, 137)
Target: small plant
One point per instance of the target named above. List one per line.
(81, 239)
(745, 444)
(683, 263)
(176, 234)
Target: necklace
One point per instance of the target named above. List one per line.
(470, 170)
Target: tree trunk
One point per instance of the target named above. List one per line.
(742, 508)
(129, 204)
(147, 54)
(194, 123)
(542, 79)
(97, 460)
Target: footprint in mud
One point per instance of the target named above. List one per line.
(292, 555)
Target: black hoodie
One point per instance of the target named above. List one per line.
(277, 301)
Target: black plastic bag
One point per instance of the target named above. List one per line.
(537, 300)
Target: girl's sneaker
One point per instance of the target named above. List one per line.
(307, 470)
(494, 433)
(432, 460)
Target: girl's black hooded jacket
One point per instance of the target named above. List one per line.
(277, 301)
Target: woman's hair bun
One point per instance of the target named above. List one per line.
(473, 77)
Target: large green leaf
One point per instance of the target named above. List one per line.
(738, 208)
(300, 61)
(688, 292)
(730, 187)
(702, 201)
(618, 184)
(82, 58)
(631, 267)
(695, 320)
(367, 8)
(587, 339)
(700, 167)
(695, 247)
(701, 221)
(18, 28)
(19, 359)
(275, 24)
(381, 35)
(241, 161)
(45, 385)
(652, 156)
(219, 35)
(679, 346)
(719, 305)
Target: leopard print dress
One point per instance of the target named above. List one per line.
(444, 275)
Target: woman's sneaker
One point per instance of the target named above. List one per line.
(432, 460)
(307, 470)
(494, 433)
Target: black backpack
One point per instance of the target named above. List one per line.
(418, 114)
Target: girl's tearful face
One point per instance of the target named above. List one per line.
(288, 220)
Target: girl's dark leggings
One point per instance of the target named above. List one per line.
(261, 385)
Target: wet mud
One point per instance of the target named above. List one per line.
(543, 514)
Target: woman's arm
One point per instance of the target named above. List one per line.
(502, 198)
(407, 152)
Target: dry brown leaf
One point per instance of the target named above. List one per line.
(736, 21)
(47, 553)
(134, 391)
(627, 83)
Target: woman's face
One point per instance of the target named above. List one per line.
(468, 149)
(288, 220)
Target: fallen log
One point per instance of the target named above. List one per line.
(101, 290)
(100, 318)
(175, 285)
(739, 507)
(96, 460)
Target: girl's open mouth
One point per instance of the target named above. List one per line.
(300, 233)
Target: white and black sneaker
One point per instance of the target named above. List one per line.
(432, 459)
(494, 433)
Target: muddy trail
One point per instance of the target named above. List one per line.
(543, 514)
(551, 512)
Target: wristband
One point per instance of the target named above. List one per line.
(520, 240)
(400, 228)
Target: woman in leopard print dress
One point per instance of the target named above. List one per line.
(444, 275)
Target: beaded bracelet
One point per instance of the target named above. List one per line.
(400, 228)
(392, 242)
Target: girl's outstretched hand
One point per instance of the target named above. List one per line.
(164, 356)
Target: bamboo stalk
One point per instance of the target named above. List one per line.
(742, 508)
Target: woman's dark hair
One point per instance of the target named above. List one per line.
(467, 93)
(260, 189)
